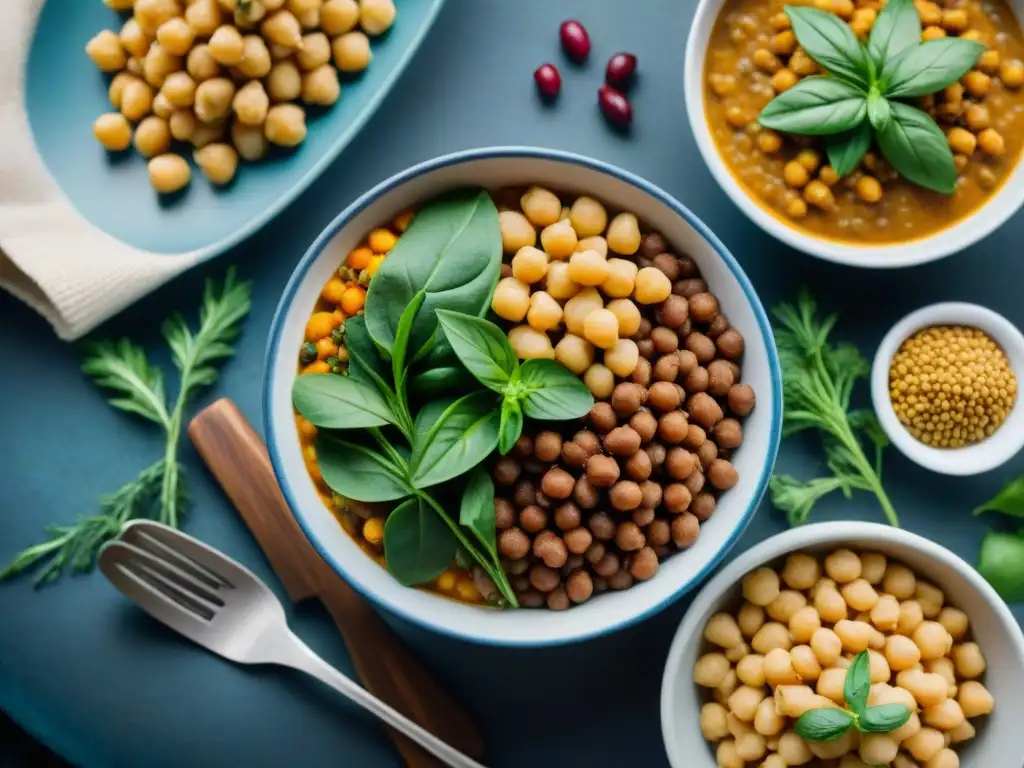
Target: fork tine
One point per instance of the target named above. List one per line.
(156, 580)
(161, 569)
(210, 560)
(113, 562)
(142, 538)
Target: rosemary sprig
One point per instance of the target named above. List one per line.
(160, 491)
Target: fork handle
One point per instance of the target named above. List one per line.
(297, 655)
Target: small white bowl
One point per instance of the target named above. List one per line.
(969, 230)
(991, 452)
(1000, 739)
(495, 168)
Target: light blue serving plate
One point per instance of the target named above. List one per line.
(65, 93)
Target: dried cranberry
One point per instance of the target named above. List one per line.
(620, 70)
(549, 81)
(575, 40)
(614, 105)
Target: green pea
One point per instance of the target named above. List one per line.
(308, 354)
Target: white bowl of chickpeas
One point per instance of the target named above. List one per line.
(647, 559)
(773, 634)
(743, 53)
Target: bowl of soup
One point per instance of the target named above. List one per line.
(742, 53)
(596, 519)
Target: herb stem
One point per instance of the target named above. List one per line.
(496, 573)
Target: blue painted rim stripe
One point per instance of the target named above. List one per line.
(274, 344)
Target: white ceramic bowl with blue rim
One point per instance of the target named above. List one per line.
(1000, 739)
(1006, 201)
(492, 169)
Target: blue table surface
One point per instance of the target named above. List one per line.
(104, 685)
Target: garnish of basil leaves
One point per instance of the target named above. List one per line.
(830, 723)
(858, 102)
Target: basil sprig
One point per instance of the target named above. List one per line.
(831, 722)
(858, 103)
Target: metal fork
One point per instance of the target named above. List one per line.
(221, 605)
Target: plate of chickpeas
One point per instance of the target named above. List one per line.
(200, 119)
(774, 636)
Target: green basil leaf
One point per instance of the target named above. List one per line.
(858, 682)
(465, 435)
(816, 106)
(476, 512)
(340, 402)
(1010, 500)
(481, 347)
(437, 381)
(359, 473)
(511, 425)
(917, 148)
(830, 42)
(398, 354)
(897, 28)
(365, 360)
(1001, 562)
(879, 112)
(452, 253)
(883, 718)
(847, 149)
(929, 67)
(823, 724)
(429, 414)
(553, 391)
(418, 546)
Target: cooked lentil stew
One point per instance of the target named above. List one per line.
(753, 55)
(592, 504)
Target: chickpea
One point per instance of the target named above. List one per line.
(133, 39)
(795, 174)
(544, 314)
(182, 123)
(933, 640)
(204, 133)
(878, 748)
(830, 684)
(794, 700)
(800, 571)
(529, 343)
(162, 107)
(843, 566)
(152, 13)
(803, 624)
(285, 82)
(968, 660)
(869, 189)
(855, 635)
(113, 131)
(203, 16)
(750, 670)
(218, 162)
(974, 699)
(168, 173)
(793, 750)
(976, 83)
(249, 141)
(955, 622)
(766, 61)
(200, 64)
(587, 216)
(179, 89)
(925, 744)
(859, 595)
(652, 286)
(622, 357)
(991, 142)
(624, 234)
(928, 688)
(321, 86)
(599, 380)
(1011, 73)
(784, 79)
(723, 631)
(801, 64)
(213, 99)
(226, 46)
(590, 268)
(901, 652)
(963, 732)
(713, 724)
(559, 240)
(352, 52)
(152, 137)
(136, 100)
(818, 194)
(626, 313)
(106, 52)
(899, 581)
(285, 125)
(771, 635)
(826, 646)
(830, 605)
(620, 278)
(574, 353)
(778, 668)
(761, 586)
(175, 36)
(727, 757)
(743, 702)
(932, 33)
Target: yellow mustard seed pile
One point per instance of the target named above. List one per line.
(951, 386)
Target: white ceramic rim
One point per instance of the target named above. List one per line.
(992, 214)
(445, 616)
(992, 452)
(691, 627)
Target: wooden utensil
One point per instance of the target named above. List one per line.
(238, 459)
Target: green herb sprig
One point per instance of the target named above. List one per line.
(160, 490)
(860, 100)
(423, 335)
(817, 381)
(830, 723)
(1001, 559)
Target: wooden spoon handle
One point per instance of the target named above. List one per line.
(238, 460)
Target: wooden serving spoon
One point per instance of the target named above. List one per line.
(238, 459)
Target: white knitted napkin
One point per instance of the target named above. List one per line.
(65, 268)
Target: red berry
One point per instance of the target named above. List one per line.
(549, 82)
(575, 40)
(620, 70)
(614, 105)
